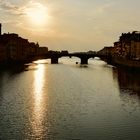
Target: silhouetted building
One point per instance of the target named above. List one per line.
(42, 50)
(64, 52)
(16, 48)
(106, 51)
(128, 46)
(0, 29)
(91, 52)
(3, 55)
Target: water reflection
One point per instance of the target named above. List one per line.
(38, 113)
(129, 81)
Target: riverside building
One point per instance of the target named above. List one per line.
(15, 48)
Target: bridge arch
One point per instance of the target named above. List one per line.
(84, 57)
(66, 59)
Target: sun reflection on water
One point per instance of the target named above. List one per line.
(38, 112)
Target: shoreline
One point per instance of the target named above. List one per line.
(129, 64)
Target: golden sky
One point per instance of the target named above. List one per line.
(74, 25)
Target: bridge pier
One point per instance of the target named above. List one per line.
(84, 60)
(54, 60)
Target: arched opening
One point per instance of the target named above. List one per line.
(68, 60)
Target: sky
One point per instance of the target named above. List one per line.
(73, 25)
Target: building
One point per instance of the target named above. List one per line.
(64, 52)
(16, 48)
(128, 46)
(0, 28)
(42, 51)
(106, 51)
(3, 55)
(135, 50)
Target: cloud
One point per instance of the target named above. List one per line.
(6, 5)
(13, 9)
(10, 8)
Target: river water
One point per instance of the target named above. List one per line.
(65, 101)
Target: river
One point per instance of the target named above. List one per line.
(66, 101)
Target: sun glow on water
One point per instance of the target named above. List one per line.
(38, 113)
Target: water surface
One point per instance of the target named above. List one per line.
(69, 102)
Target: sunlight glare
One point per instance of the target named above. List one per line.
(37, 13)
(38, 112)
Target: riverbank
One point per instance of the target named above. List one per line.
(131, 64)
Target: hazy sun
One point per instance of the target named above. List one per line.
(37, 13)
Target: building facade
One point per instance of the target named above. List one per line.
(15, 48)
(128, 46)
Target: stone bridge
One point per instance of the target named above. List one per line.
(84, 56)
